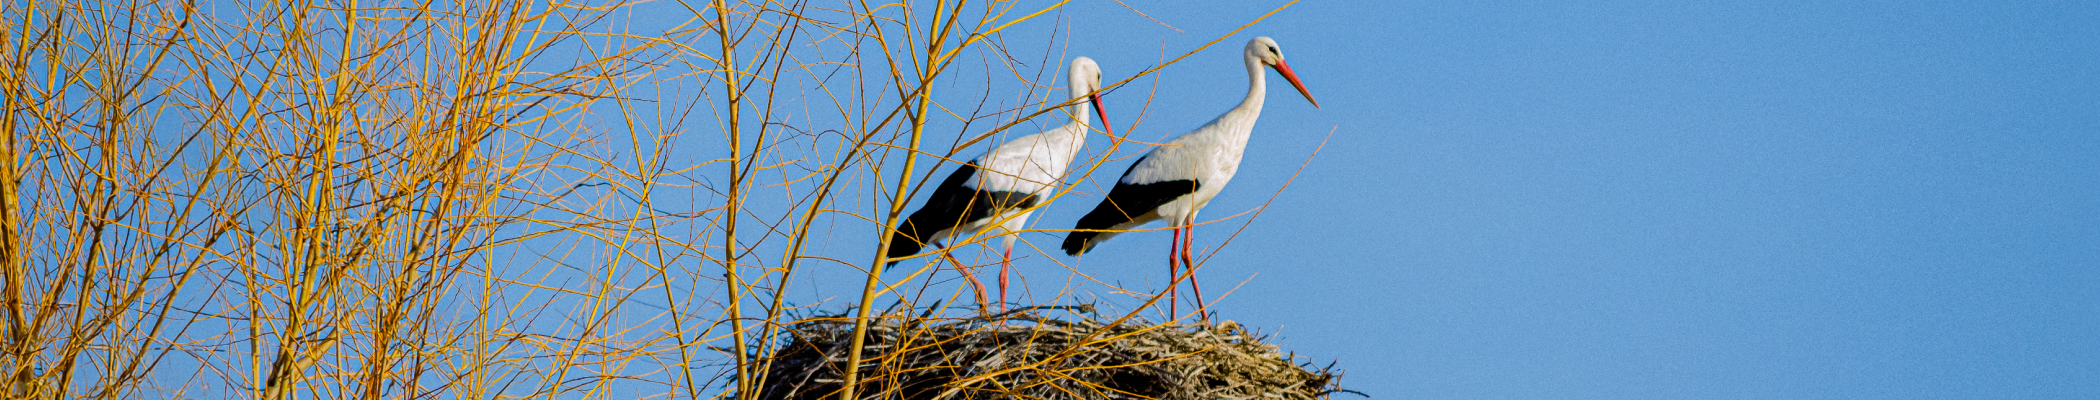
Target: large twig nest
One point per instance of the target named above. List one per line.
(1027, 356)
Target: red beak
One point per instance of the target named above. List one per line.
(1285, 69)
(1103, 112)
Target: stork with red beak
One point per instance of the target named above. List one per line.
(1001, 189)
(1176, 179)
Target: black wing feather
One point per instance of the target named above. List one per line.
(952, 205)
(1125, 202)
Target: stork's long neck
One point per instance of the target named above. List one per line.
(1257, 87)
(1237, 124)
(1073, 135)
(1082, 111)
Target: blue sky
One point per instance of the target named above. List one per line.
(1519, 200)
(1644, 199)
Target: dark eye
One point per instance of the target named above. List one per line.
(1272, 50)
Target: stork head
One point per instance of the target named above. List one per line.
(1264, 50)
(1085, 82)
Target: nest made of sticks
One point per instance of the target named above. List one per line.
(1029, 356)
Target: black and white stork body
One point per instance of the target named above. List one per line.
(1000, 189)
(1175, 180)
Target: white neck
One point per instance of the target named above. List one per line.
(1257, 86)
(1080, 110)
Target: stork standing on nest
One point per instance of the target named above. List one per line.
(1004, 185)
(1176, 179)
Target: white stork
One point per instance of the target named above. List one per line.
(1176, 179)
(1006, 183)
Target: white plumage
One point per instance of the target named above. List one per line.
(1005, 184)
(1175, 180)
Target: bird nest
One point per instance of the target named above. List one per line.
(1029, 356)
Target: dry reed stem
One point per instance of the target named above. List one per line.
(520, 199)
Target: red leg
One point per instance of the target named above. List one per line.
(1004, 261)
(1173, 275)
(1188, 258)
(964, 269)
(971, 276)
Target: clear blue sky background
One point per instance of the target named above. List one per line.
(1647, 199)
